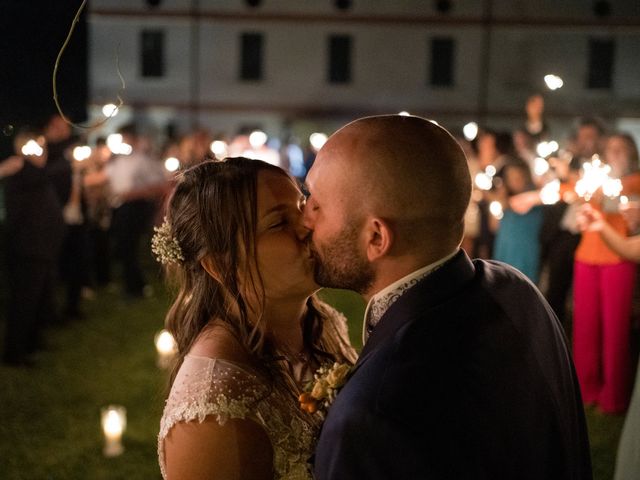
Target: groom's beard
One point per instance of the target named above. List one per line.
(341, 265)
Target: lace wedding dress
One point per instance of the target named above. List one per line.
(227, 390)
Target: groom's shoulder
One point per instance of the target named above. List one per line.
(503, 282)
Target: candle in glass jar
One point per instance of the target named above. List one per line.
(166, 347)
(114, 422)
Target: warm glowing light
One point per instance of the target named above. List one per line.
(117, 145)
(483, 181)
(550, 193)
(404, 113)
(219, 149)
(317, 140)
(110, 110)
(172, 164)
(612, 187)
(490, 170)
(470, 131)
(114, 423)
(166, 347)
(165, 342)
(257, 138)
(250, 154)
(540, 166)
(553, 82)
(624, 200)
(495, 208)
(32, 147)
(81, 153)
(595, 175)
(545, 149)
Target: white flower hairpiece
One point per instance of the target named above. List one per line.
(165, 246)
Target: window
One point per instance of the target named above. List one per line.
(600, 63)
(339, 59)
(251, 56)
(442, 62)
(152, 57)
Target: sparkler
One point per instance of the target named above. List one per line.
(596, 175)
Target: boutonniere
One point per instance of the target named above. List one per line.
(320, 393)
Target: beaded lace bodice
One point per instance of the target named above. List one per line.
(226, 390)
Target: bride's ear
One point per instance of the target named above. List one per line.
(209, 266)
(380, 238)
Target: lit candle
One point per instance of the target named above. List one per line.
(114, 422)
(166, 347)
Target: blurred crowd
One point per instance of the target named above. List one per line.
(77, 218)
(528, 191)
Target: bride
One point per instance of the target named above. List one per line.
(249, 329)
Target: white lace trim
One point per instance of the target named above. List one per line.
(214, 387)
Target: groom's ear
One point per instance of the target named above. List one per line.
(380, 238)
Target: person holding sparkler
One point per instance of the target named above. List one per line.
(34, 233)
(604, 284)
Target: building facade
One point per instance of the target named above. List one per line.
(302, 66)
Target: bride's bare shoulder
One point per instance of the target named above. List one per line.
(217, 341)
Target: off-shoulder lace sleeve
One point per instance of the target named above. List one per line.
(210, 387)
(337, 332)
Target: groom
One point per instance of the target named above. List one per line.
(465, 371)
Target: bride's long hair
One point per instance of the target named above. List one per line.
(213, 214)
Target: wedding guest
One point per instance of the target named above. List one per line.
(465, 371)
(559, 238)
(495, 149)
(98, 213)
(250, 331)
(517, 241)
(34, 230)
(535, 124)
(60, 137)
(73, 267)
(603, 286)
(588, 138)
(137, 184)
(628, 455)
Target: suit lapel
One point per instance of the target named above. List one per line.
(429, 292)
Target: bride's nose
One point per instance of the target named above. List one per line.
(302, 232)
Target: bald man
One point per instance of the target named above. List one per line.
(465, 371)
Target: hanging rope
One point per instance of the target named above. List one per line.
(55, 76)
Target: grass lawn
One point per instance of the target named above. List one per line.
(50, 427)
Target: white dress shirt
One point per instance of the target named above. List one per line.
(381, 301)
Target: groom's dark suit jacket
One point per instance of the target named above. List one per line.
(466, 376)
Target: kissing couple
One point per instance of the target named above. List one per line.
(464, 373)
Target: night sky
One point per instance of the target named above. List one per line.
(33, 31)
